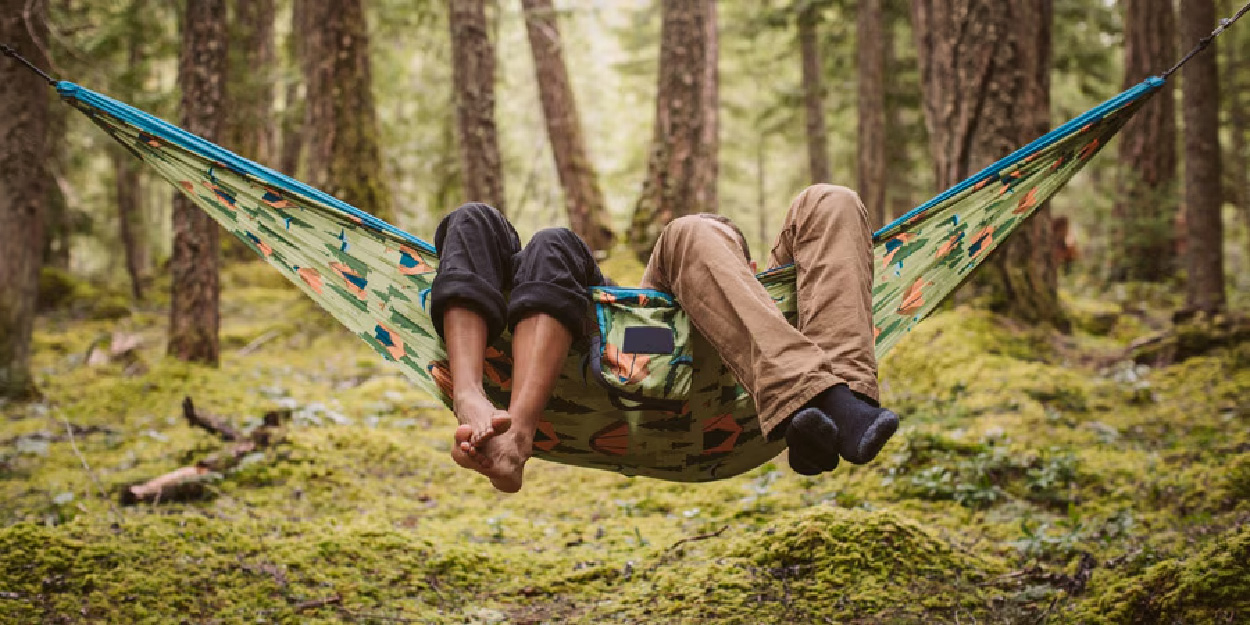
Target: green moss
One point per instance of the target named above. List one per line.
(1211, 586)
(1016, 456)
(813, 566)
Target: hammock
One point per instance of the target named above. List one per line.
(375, 279)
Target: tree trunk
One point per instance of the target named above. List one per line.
(1204, 229)
(193, 308)
(252, 66)
(707, 170)
(473, 71)
(57, 221)
(900, 184)
(1237, 52)
(23, 134)
(583, 199)
(1145, 200)
(677, 181)
(340, 125)
(129, 196)
(814, 94)
(291, 143)
(956, 42)
(870, 43)
(1021, 280)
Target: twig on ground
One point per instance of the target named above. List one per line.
(690, 539)
(313, 604)
(69, 430)
(258, 341)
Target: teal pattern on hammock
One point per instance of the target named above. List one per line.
(374, 279)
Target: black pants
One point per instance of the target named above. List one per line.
(480, 258)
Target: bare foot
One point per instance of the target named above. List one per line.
(504, 460)
(482, 420)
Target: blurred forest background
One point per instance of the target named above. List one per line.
(1078, 413)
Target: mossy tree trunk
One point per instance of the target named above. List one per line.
(1021, 279)
(1204, 230)
(24, 102)
(681, 173)
(473, 71)
(343, 156)
(194, 315)
(870, 48)
(1146, 196)
(808, 19)
(583, 199)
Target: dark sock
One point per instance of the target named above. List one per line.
(813, 441)
(864, 428)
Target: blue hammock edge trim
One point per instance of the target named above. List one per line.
(189, 141)
(160, 128)
(1095, 114)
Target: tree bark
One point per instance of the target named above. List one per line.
(57, 221)
(870, 44)
(340, 125)
(1021, 280)
(1145, 200)
(900, 184)
(583, 199)
(23, 149)
(128, 187)
(473, 71)
(194, 310)
(956, 42)
(252, 64)
(1204, 229)
(814, 94)
(128, 193)
(707, 170)
(677, 180)
(1237, 51)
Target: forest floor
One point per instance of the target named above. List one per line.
(1038, 477)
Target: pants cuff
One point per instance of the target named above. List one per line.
(470, 291)
(570, 308)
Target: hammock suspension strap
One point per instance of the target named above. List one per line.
(20, 59)
(1206, 41)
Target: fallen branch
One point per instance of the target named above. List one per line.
(191, 483)
(212, 423)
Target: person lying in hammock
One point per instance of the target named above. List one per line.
(814, 385)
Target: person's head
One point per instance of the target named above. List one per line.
(742, 239)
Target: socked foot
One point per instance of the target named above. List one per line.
(862, 427)
(813, 440)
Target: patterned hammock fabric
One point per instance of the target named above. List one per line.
(678, 416)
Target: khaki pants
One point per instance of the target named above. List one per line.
(826, 235)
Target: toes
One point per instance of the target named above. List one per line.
(500, 423)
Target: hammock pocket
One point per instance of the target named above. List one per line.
(647, 396)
